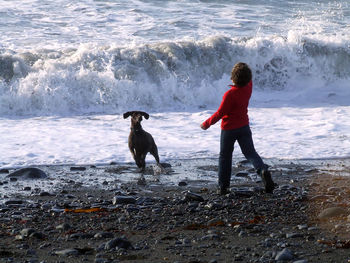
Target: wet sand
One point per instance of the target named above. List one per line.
(109, 213)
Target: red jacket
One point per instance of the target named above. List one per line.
(233, 109)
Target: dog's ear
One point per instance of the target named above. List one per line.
(127, 114)
(144, 114)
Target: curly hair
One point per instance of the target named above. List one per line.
(241, 74)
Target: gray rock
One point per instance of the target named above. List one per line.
(14, 202)
(242, 174)
(182, 183)
(332, 212)
(104, 235)
(300, 261)
(121, 199)
(38, 235)
(44, 193)
(313, 228)
(293, 235)
(193, 197)
(63, 227)
(284, 255)
(210, 237)
(28, 173)
(26, 232)
(301, 227)
(118, 242)
(67, 252)
(78, 168)
(243, 192)
(81, 236)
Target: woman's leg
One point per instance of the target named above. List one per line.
(227, 141)
(245, 141)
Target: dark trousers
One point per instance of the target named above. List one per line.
(228, 138)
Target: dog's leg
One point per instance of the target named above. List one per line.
(143, 162)
(132, 150)
(140, 161)
(154, 152)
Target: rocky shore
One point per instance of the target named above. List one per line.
(152, 218)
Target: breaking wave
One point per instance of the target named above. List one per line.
(165, 76)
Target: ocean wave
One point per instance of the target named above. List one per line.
(163, 76)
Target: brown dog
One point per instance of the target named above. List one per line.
(140, 141)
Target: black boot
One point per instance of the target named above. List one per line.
(223, 191)
(268, 183)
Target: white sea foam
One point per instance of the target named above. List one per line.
(278, 133)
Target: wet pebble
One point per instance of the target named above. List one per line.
(67, 252)
(293, 235)
(190, 196)
(284, 255)
(28, 173)
(118, 242)
(121, 199)
(182, 183)
(332, 212)
(210, 237)
(63, 227)
(78, 168)
(14, 202)
(102, 235)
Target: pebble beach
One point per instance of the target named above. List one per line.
(148, 219)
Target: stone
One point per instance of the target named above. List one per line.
(193, 197)
(293, 235)
(81, 236)
(301, 227)
(28, 173)
(26, 232)
(63, 227)
(78, 168)
(210, 237)
(118, 242)
(67, 252)
(284, 255)
(122, 200)
(182, 183)
(38, 235)
(14, 202)
(44, 193)
(332, 212)
(334, 190)
(243, 192)
(101, 235)
(242, 174)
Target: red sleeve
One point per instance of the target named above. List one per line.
(222, 111)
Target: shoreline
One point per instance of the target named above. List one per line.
(155, 219)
